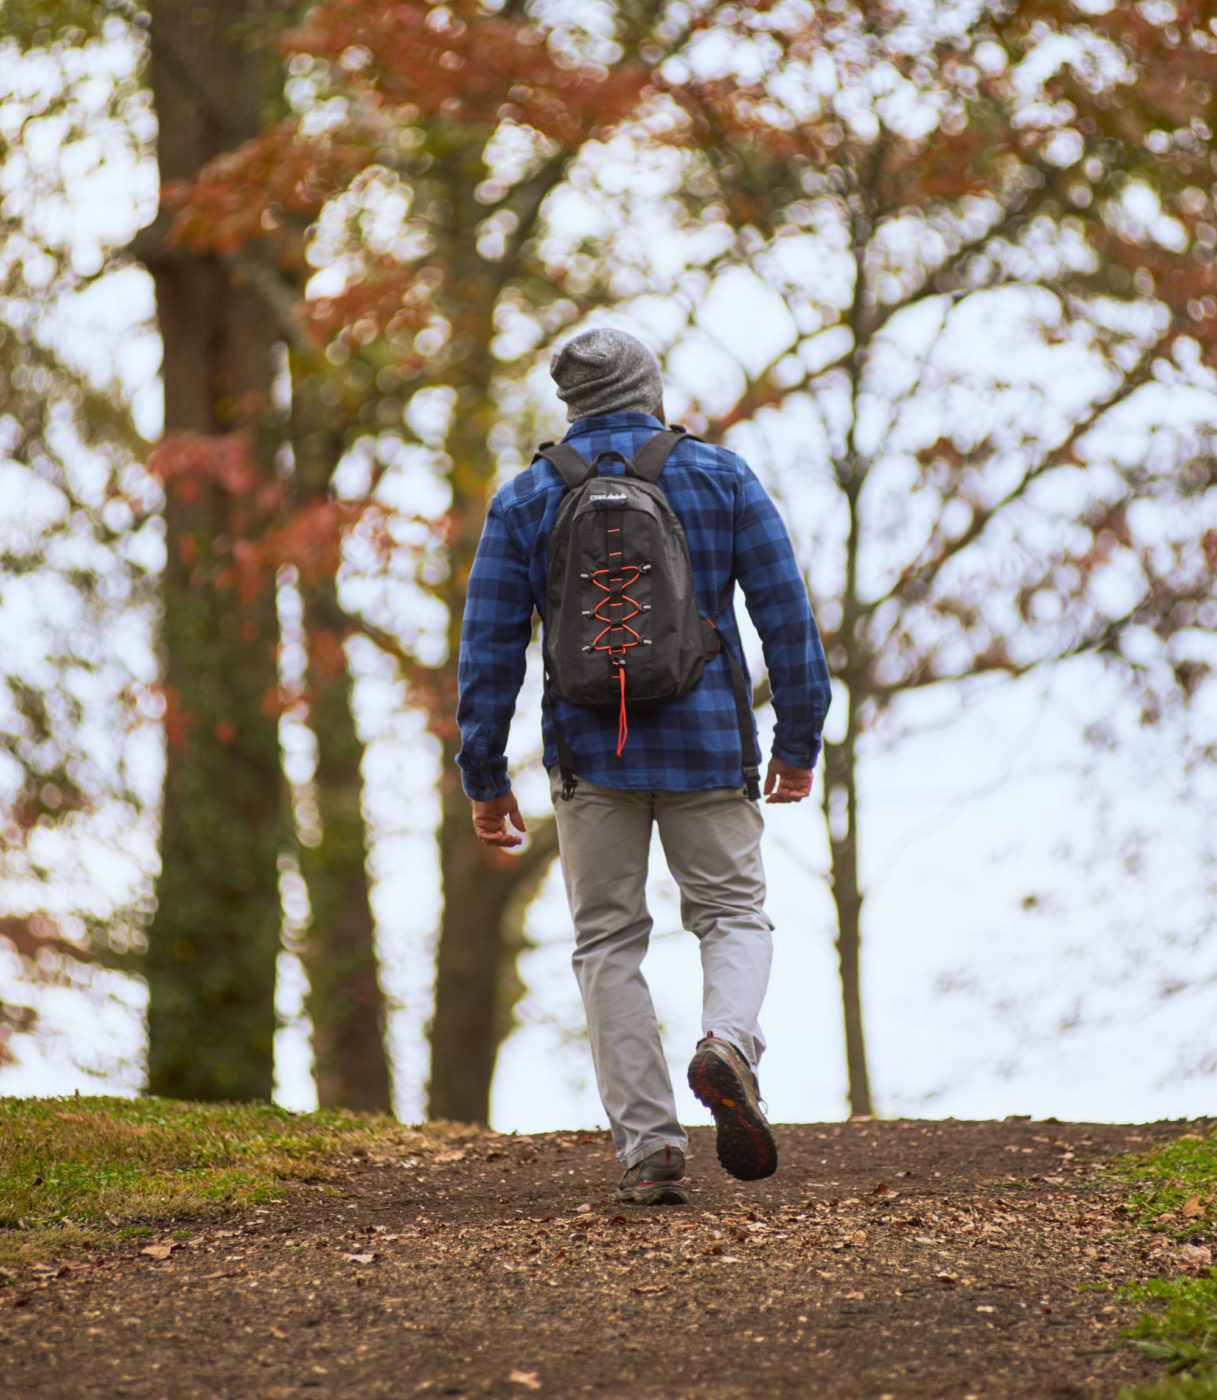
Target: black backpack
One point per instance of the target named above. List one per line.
(622, 625)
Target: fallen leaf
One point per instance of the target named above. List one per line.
(853, 1293)
(1192, 1207)
(359, 1258)
(457, 1156)
(159, 1251)
(985, 1308)
(884, 1192)
(649, 1288)
(528, 1379)
(281, 1332)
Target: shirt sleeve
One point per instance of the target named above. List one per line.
(776, 598)
(495, 632)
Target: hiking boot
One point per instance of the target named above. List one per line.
(721, 1078)
(658, 1180)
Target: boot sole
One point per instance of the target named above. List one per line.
(745, 1145)
(660, 1193)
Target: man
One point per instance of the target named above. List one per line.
(680, 767)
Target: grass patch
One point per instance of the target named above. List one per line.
(1175, 1187)
(78, 1173)
(1174, 1191)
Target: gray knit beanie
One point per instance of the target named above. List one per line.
(606, 371)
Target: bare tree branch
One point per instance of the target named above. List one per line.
(922, 573)
(901, 401)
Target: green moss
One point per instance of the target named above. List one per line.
(76, 1173)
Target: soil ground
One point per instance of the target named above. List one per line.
(886, 1259)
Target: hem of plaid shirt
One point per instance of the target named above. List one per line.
(486, 792)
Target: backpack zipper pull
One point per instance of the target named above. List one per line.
(622, 728)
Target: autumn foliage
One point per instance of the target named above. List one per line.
(407, 63)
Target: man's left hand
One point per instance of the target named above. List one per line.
(785, 783)
(490, 821)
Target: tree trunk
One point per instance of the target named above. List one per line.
(345, 1001)
(484, 890)
(841, 814)
(841, 760)
(214, 940)
(486, 894)
(463, 1045)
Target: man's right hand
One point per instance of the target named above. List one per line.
(490, 821)
(785, 783)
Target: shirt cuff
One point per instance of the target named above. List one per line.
(805, 759)
(485, 781)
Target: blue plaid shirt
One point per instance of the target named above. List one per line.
(685, 745)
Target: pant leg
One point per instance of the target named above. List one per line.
(604, 839)
(712, 841)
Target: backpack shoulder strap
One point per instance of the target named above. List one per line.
(654, 453)
(571, 466)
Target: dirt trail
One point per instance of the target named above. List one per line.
(886, 1259)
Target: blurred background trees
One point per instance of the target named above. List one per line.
(946, 279)
(78, 549)
(1009, 227)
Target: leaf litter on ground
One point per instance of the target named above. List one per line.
(518, 1260)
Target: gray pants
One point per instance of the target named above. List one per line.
(711, 841)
